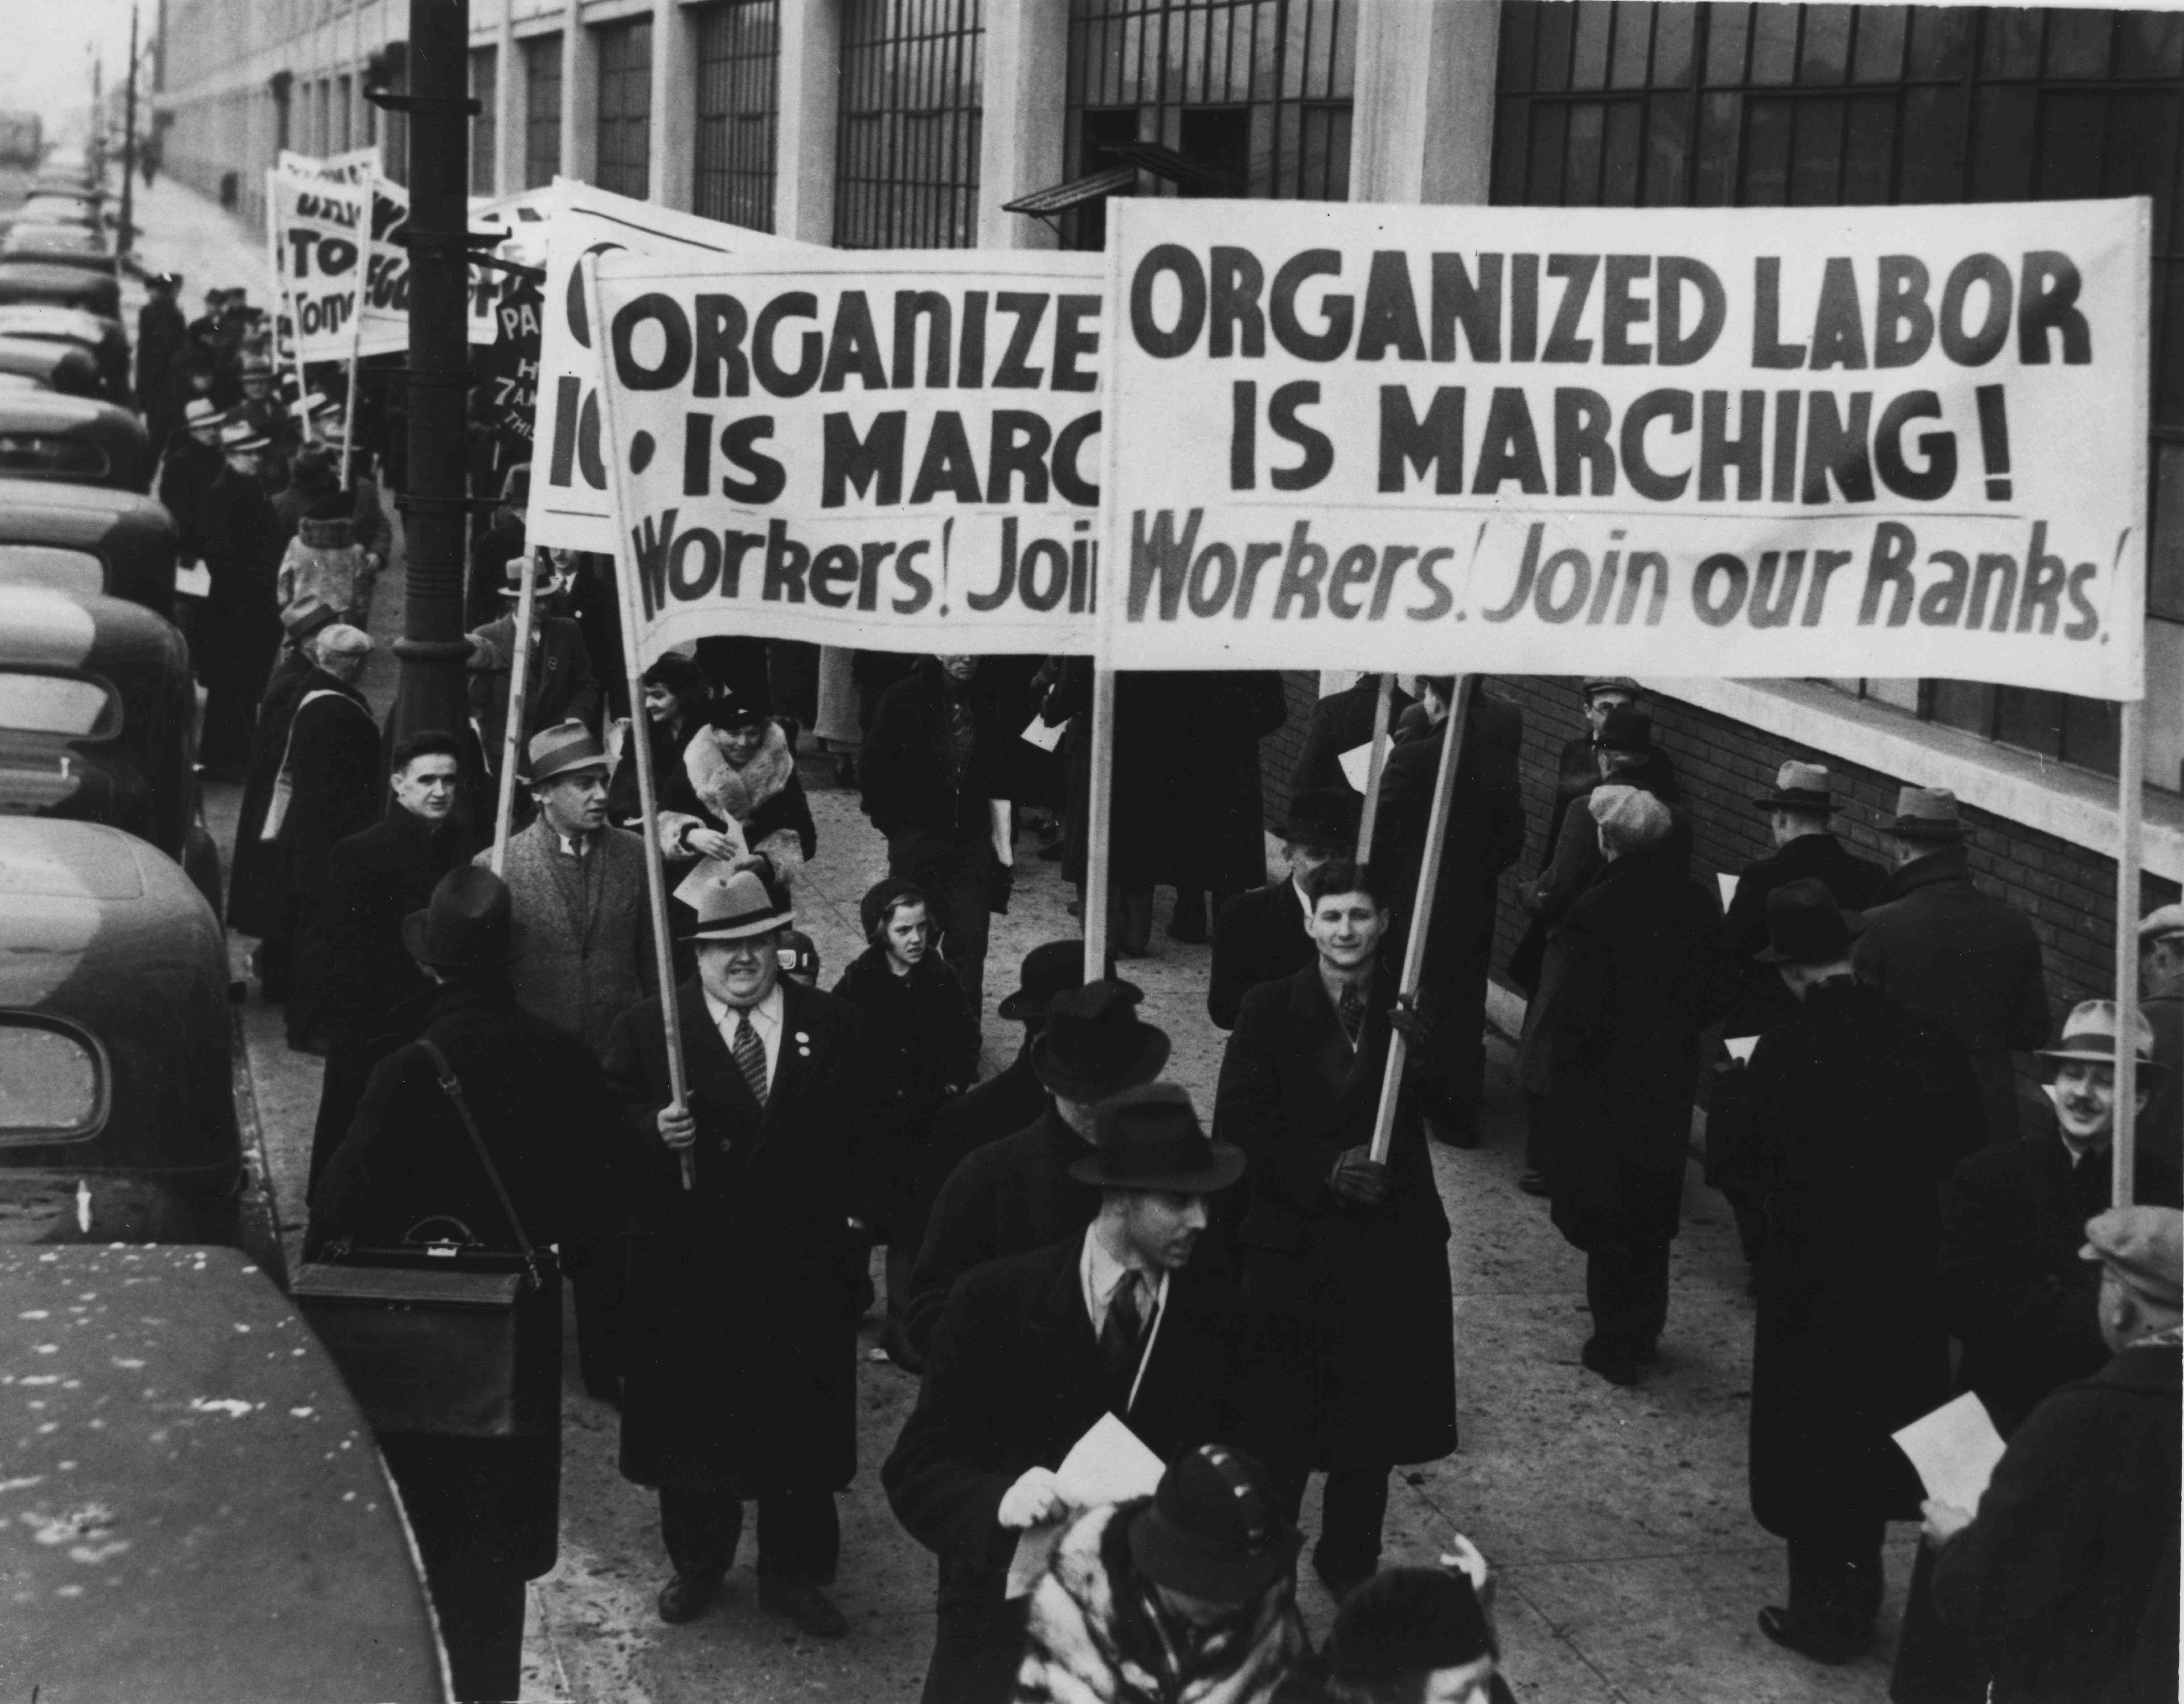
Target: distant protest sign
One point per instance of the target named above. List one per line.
(1757, 443)
(525, 217)
(385, 329)
(316, 230)
(569, 505)
(894, 450)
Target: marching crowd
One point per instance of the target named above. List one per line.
(1257, 1289)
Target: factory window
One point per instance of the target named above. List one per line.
(738, 62)
(626, 108)
(907, 166)
(485, 65)
(542, 110)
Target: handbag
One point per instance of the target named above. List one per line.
(439, 1334)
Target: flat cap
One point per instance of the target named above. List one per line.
(1630, 815)
(2144, 1248)
(2162, 923)
(342, 640)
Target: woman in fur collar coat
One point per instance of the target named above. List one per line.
(738, 779)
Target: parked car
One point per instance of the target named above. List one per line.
(64, 287)
(49, 366)
(85, 538)
(77, 440)
(200, 1512)
(59, 176)
(98, 722)
(69, 245)
(102, 338)
(118, 1123)
(59, 206)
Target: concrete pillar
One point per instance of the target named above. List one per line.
(1020, 136)
(579, 95)
(672, 146)
(806, 129)
(1422, 130)
(509, 110)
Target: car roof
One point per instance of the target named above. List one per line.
(52, 319)
(55, 411)
(24, 498)
(51, 857)
(42, 628)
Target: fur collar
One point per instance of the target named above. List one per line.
(730, 793)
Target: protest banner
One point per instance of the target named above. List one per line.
(891, 451)
(511, 388)
(1753, 442)
(525, 219)
(357, 165)
(569, 505)
(384, 310)
(317, 232)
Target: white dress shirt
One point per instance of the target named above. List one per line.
(766, 1019)
(1101, 1275)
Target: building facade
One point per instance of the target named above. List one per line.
(886, 123)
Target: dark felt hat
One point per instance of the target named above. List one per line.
(679, 674)
(1050, 968)
(1095, 1045)
(730, 710)
(1323, 816)
(1213, 1530)
(1408, 1621)
(1806, 926)
(468, 925)
(1625, 729)
(1149, 1137)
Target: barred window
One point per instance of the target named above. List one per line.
(1631, 104)
(907, 164)
(739, 69)
(542, 110)
(485, 65)
(1260, 91)
(624, 115)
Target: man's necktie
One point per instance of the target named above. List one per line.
(1350, 1009)
(750, 1057)
(1126, 1324)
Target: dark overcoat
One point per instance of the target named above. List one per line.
(740, 1373)
(185, 474)
(1859, 1111)
(1013, 1379)
(2013, 1291)
(921, 1048)
(1341, 721)
(1005, 1198)
(253, 873)
(1762, 1000)
(1487, 816)
(1353, 1361)
(375, 878)
(904, 762)
(1941, 946)
(1633, 973)
(1258, 937)
(2067, 1583)
(333, 759)
(239, 632)
(558, 686)
(982, 1114)
(2161, 1125)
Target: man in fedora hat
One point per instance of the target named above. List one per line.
(558, 687)
(1938, 944)
(1018, 1194)
(1344, 1260)
(2161, 1003)
(1030, 1350)
(740, 1361)
(1577, 768)
(987, 1112)
(161, 332)
(486, 1511)
(1259, 936)
(1191, 1593)
(240, 623)
(2064, 1581)
(1858, 1110)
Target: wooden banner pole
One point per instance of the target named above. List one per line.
(655, 874)
(348, 423)
(2130, 788)
(1414, 946)
(1099, 827)
(511, 739)
(1370, 819)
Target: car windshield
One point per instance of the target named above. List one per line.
(39, 455)
(64, 704)
(51, 1085)
(52, 567)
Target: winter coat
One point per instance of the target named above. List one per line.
(1485, 824)
(981, 1115)
(242, 543)
(368, 523)
(1353, 1359)
(904, 765)
(1006, 1197)
(765, 799)
(161, 331)
(2161, 1125)
(558, 688)
(1939, 945)
(1762, 999)
(333, 761)
(1341, 721)
(1258, 937)
(921, 1048)
(1100, 1634)
(2066, 1584)
(740, 1338)
(337, 573)
(374, 879)
(1633, 974)
(185, 476)
(1859, 1109)
(253, 890)
(2012, 1290)
(584, 956)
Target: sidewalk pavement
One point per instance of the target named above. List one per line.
(180, 231)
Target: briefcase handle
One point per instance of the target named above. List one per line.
(452, 1087)
(465, 1237)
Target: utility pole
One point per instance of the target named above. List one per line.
(127, 238)
(433, 648)
(98, 141)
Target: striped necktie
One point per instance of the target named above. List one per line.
(750, 1057)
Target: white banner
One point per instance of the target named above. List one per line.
(525, 218)
(1888, 441)
(889, 450)
(316, 230)
(569, 502)
(359, 165)
(386, 309)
